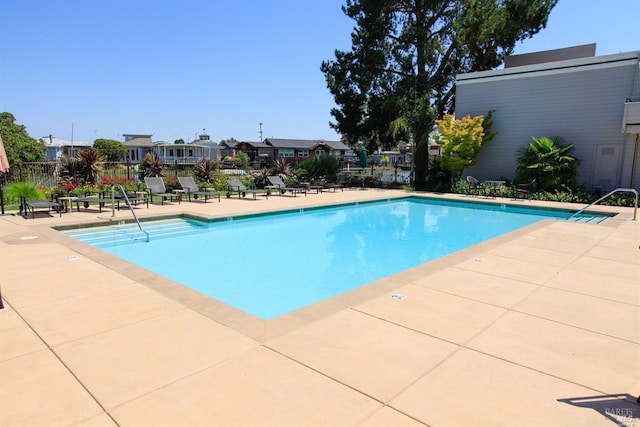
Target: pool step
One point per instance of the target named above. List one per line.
(125, 233)
(590, 219)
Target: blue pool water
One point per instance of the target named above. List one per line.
(272, 264)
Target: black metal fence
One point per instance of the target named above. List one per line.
(47, 174)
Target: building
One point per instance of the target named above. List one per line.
(56, 147)
(592, 102)
(303, 149)
(295, 150)
(188, 153)
(137, 146)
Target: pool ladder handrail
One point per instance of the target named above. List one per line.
(617, 190)
(126, 198)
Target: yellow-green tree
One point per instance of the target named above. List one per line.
(461, 140)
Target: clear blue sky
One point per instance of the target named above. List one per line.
(173, 68)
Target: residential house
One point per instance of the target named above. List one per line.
(56, 147)
(592, 102)
(260, 154)
(210, 150)
(302, 149)
(137, 146)
(188, 153)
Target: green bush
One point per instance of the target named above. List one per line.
(319, 169)
(549, 162)
(564, 194)
(13, 191)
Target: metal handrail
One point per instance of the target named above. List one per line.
(617, 190)
(126, 198)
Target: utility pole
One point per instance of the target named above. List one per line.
(260, 131)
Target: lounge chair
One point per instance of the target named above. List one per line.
(235, 186)
(32, 205)
(277, 182)
(155, 186)
(475, 186)
(523, 190)
(190, 188)
(332, 187)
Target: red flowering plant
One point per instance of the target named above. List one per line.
(64, 189)
(128, 185)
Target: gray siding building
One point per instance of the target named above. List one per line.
(592, 102)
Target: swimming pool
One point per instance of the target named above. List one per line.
(272, 264)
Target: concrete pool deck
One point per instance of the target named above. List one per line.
(537, 327)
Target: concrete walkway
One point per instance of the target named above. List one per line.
(537, 327)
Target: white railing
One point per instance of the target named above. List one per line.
(617, 190)
(126, 198)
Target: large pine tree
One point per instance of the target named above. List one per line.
(405, 56)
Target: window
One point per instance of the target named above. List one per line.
(285, 152)
(303, 153)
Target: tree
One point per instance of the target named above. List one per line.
(111, 150)
(405, 56)
(241, 160)
(461, 140)
(549, 162)
(231, 141)
(20, 147)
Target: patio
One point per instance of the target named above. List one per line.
(537, 327)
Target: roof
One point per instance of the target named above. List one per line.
(304, 143)
(229, 144)
(139, 141)
(255, 144)
(556, 67)
(52, 141)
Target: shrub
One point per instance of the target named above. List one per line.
(204, 169)
(13, 191)
(323, 168)
(549, 162)
(90, 165)
(151, 165)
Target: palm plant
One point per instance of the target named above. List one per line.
(282, 168)
(260, 177)
(69, 170)
(203, 170)
(549, 162)
(152, 165)
(90, 165)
